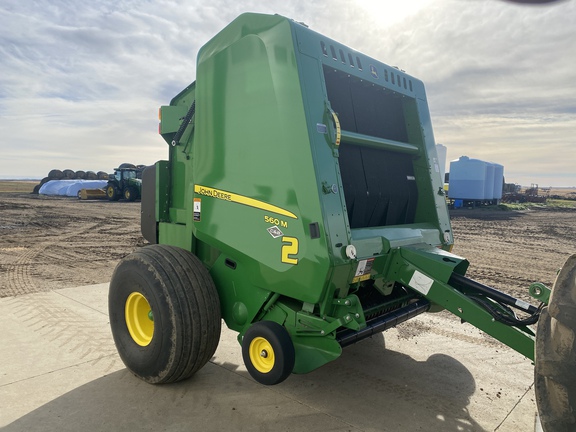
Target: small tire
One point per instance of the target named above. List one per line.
(268, 352)
(555, 355)
(164, 313)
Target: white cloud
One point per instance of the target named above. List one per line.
(81, 82)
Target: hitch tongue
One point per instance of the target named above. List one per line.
(540, 292)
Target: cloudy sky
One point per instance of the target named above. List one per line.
(81, 82)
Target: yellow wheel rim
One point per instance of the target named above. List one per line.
(139, 319)
(261, 355)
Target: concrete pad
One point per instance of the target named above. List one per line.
(61, 372)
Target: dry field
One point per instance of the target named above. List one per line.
(49, 243)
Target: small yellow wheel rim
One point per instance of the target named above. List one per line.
(261, 355)
(139, 319)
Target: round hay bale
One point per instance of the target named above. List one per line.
(127, 165)
(91, 175)
(45, 180)
(80, 175)
(102, 175)
(55, 174)
(69, 174)
(36, 189)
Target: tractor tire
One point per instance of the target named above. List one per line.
(112, 193)
(268, 352)
(130, 194)
(164, 313)
(555, 356)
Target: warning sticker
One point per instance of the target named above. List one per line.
(197, 209)
(363, 270)
(420, 282)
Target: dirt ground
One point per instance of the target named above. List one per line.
(49, 243)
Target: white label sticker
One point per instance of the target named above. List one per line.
(420, 282)
(522, 304)
(361, 268)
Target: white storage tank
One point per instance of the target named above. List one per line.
(441, 151)
(467, 179)
(498, 180)
(489, 182)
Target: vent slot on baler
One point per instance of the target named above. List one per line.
(379, 183)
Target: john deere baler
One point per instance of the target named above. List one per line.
(302, 203)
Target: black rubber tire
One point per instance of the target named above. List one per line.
(112, 193)
(130, 194)
(185, 307)
(555, 356)
(284, 354)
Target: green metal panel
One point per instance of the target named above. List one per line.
(253, 169)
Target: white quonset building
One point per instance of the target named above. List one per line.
(475, 180)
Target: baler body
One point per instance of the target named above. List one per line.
(305, 178)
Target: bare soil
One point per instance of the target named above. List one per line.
(52, 242)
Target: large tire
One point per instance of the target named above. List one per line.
(112, 193)
(130, 194)
(268, 352)
(171, 286)
(555, 357)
